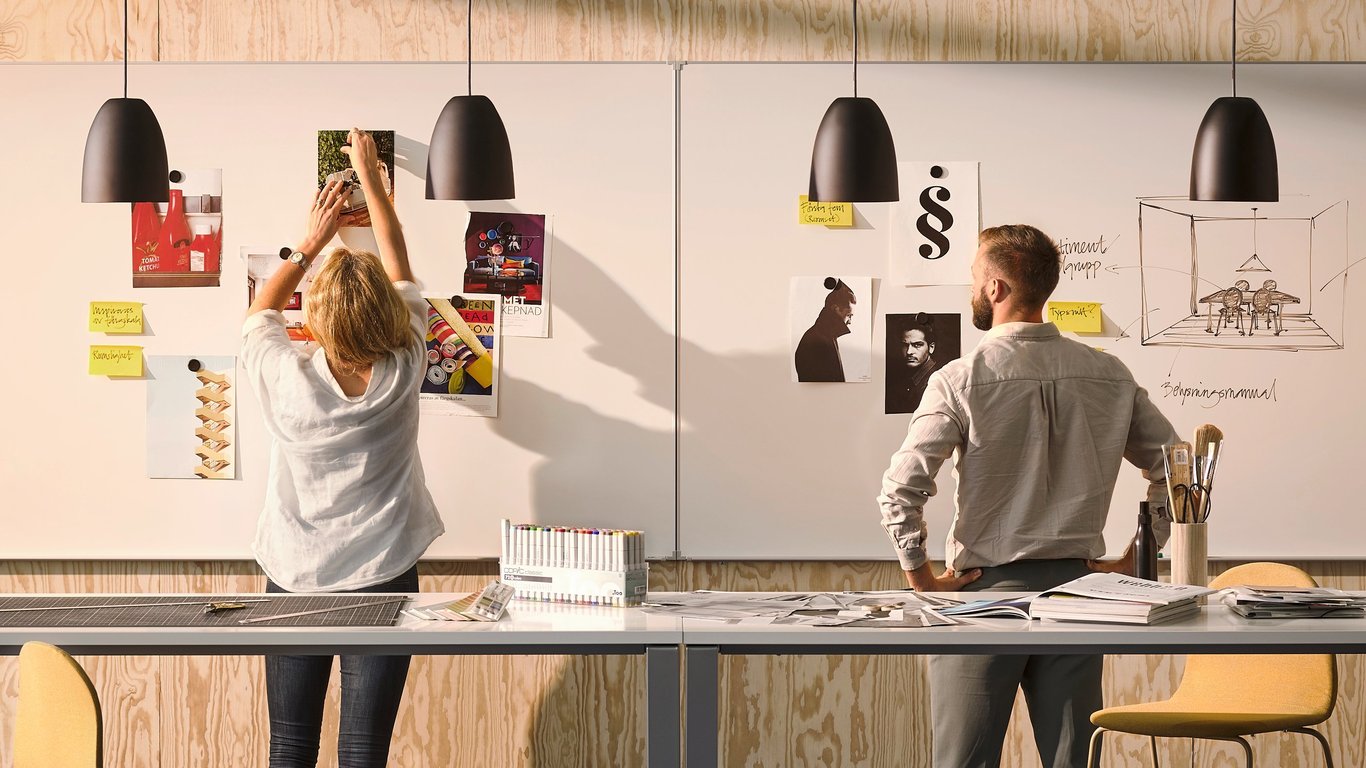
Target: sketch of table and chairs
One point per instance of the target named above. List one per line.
(1238, 301)
(1224, 276)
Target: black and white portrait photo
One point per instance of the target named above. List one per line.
(917, 345)
(831, 329)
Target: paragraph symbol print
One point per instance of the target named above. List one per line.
(934, 211)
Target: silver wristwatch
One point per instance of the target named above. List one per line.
(297, 258)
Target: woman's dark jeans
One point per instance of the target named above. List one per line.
(371, 688)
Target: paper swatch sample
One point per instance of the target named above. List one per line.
(829, 214)
(935, 224)
(334, 165)
(115, 317)
(180, 242)
(191, 417)
(115, 361)
(1076, 316)
(509, 254)
(832, 332)
(462, 355)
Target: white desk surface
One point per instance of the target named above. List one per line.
(1215, 629)
(528, 627)
(531, 627)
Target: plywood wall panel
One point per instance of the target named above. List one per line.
(697, 30)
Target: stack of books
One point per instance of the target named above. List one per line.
(1295, 602)
(1116, 598)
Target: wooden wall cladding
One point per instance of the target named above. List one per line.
(497, 711)
(693, 30)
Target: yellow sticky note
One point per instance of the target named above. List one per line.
(1077, 316)
(115, 361)
(115, 317)
(829, 214)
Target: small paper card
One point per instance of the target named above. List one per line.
(115, 361)
(1077, 316)
(115, 317)
(829, 214)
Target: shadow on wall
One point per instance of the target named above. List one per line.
(573, 722)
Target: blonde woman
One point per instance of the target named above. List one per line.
(347, 507)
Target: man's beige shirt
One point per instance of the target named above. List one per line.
(1037, 425)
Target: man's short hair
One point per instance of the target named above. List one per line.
(920, 321)
(1027, 259)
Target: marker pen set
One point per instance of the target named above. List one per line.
(590, 566)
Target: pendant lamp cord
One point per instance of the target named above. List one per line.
(856, 49)
(1254, 231)
(1233, 49)
(469, 48)
(125, 49)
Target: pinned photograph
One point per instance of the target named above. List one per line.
(191, 417)
(831, 330)
(334, 165)
(462, 355)
(918, 344)
(179, 243)
(507, 254)
(262, 261)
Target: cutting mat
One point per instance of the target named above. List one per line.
(153, 611)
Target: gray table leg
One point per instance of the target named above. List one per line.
(663, 715)
(702, 722)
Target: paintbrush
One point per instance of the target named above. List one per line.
(1177, 458)
(1207, 436)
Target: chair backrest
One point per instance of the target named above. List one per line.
(1304, 683)
(59, 723)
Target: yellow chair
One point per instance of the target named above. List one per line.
(1225, 698)
(59, 723)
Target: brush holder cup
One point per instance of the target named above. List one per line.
(1189, 549)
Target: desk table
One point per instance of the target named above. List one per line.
(1214, 630)
(527, 629)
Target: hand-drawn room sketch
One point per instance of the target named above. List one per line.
(1239, 276)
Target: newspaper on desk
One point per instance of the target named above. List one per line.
(1294, 602)
(895, 608)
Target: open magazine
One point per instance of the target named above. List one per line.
(1008, 608)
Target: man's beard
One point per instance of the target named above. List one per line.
(981, 311)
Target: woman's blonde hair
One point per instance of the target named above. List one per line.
(354, 310)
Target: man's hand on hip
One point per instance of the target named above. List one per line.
(1124, 565)
(923, 579)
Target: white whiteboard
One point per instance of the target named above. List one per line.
(772, 469)
(767, 468)
(585, 432)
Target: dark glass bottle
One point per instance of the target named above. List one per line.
(1145, 545)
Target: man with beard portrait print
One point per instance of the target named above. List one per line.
(913, 340)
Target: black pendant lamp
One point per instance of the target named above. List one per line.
(1235, 154)
(469, 157)
(854, 160)
(125, 153)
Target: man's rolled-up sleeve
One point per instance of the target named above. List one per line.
(936, 429)
(1149, 430)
